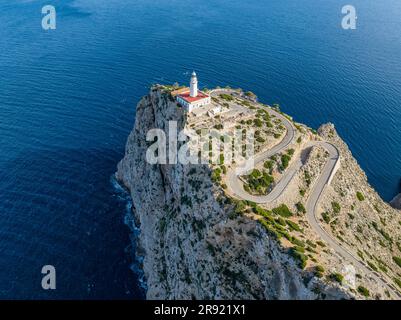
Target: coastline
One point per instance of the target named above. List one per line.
(165, 184)
(131, 221)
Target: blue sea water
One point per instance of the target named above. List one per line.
(67, 104)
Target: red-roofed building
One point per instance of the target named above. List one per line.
(193, 98)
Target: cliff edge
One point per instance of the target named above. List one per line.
(199, 242)
(194, 247)
(396, 202)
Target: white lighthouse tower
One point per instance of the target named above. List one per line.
(194, 85)
(191, 98)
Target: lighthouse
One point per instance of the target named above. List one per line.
(194, 85)
(191, 98)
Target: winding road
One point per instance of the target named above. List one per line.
(235, 187)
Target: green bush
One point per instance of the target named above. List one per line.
(372, 266)
(294, 226)
(336, 207)
(257, 122)
(337, 277)
(300, 207)
(285, 160)
(360, 196)
(259, 182)
(363, 291)
(250, 94)
(227, 97)
(398, 282)
(297, 242)
(311, 244)
(221, 158)
(268, 164)
(281, 221)
(308, 178)
(326, 217)
(282, 211)
(319, 270)
(239, 206)
(397, 260)
(269, 229)
(299, 257)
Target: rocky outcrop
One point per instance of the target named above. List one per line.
(396, 202)
(194, 243)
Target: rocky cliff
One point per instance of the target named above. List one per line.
(396, 202)
(194, 242)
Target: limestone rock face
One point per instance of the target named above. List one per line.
(396, 202)
(193, 244)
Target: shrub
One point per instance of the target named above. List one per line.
(397, 260)
(259, 182)
(250, 94)
(300, 257)
(285, 160)
(268, 164)
(337, 277)
(307, 178)
(297, 242)
(227, 97)
(326, 217)
(300, 207)
(257, 122)
(398, 282)
(360, 196)
(282, 211)
(311, 244)
(319, 270)
(281, 221)
(336, 207)
(363, 291)
(216, 175)
(294, 226)
(372, 266)
(290, 152)
(239, 206)
(255, 173)
(269, 229)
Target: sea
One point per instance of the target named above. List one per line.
(68, 97)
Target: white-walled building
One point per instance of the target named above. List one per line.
(193, 98)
